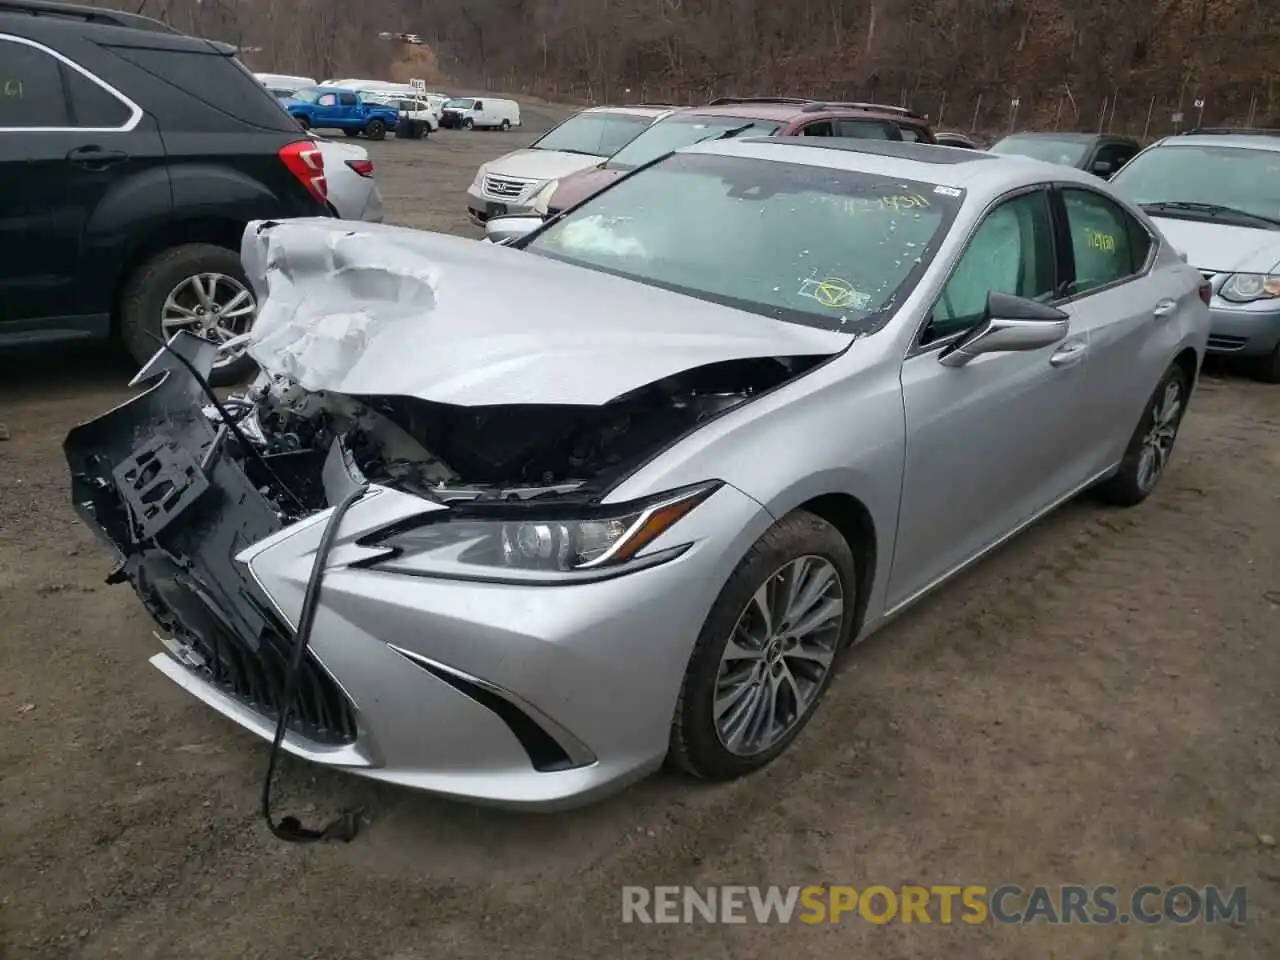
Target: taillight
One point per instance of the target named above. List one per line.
(362, 167)
(1206, 292)
(306, 162)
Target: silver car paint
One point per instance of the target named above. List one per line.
(945, 462)
(1219, 250)
(384, 309)
(354, 197)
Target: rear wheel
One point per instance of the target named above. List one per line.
(375, 129)
(195, 287)
(767, 650)
(304, 123)
(506, 125)
(1151, 444)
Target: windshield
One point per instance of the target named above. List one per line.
(310, 94)
(1067, 152)
(827, 248)
(595, 134)
(1232, 177)
(676, 132)
(464, 103)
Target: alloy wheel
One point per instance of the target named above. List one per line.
(213, 306)
(1157, 444)
(776, 660)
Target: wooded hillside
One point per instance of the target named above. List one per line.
(1062, 60)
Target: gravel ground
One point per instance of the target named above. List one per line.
(1095, 704)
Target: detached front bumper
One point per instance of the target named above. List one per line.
(525, 696)
(1246, 330)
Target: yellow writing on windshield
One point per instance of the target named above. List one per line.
(1097, 240)
(899, 202)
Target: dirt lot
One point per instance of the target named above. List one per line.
(1098, 703)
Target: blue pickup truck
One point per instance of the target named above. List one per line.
(337, 108)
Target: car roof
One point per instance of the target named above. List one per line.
(1249, 141)
(1071, 136)
(984, 174)
(784, 111)
(635, 109)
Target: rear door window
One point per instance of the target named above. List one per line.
(1108, 244)
(348, 99)
(868, 130)
(31, 90)
(821, 128)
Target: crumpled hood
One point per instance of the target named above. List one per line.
(581, 185)
(1222, 248)
(540, 164)
(376, 309)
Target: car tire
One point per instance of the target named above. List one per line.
(698, 744)
(375, 129)
(468, 124)
(142, 302)
(304, 123)
(506, 125)
(1154, 436)
(1268, 368)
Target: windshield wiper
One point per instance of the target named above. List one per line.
(731, 132)
(1208, 209)
(581, 153)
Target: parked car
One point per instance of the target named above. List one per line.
(1216, 196)
(950, 138)
(129, 166)
(337, 108)
(733, 117)
(481, 113)
(413, 108)
(352, 190)
(1101, 154)
(509, 183)
(627, 516)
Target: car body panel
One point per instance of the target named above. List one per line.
(354, 197)
(945, 461)
(442, 332)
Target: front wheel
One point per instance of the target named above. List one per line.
(195, 287)
(375, 129)
(506, 125)
(1268, 368)
(1151, 444)
(767, 650)
(468, 124)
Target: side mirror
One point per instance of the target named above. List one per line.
(1102, 168)
(1010, 324)
(509, 227)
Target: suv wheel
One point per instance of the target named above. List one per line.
(195, 287)
(304, 123)
(375, 129)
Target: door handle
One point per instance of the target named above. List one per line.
(1165, 309)
(1069, 354)
(94, 157)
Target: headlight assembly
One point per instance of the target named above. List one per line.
(1248, 287)
(530, 541)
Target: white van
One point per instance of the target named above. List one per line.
(283, 84)
(482, 113)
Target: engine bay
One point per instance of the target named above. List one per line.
(450, 453)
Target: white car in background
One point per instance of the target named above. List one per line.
(510, 184)
(353, 192)
(415, 108)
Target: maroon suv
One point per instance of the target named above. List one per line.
(745, 116)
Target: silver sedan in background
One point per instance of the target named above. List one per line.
(748, 403)
(352, 189)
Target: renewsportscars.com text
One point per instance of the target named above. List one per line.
(942, 904)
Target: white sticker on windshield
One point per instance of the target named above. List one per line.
(947, 191)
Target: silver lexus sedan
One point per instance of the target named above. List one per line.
(534, 517)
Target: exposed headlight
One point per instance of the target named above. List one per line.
(530, 541)
(542, 199)
(1247, 287)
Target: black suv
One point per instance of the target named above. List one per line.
(131, 159)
